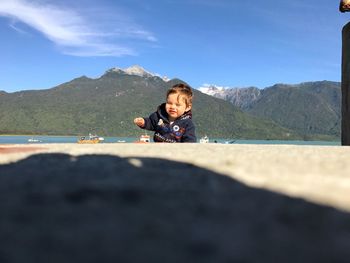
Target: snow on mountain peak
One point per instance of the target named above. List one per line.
(211, 89)
(137, 70)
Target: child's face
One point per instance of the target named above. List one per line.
(176, 106)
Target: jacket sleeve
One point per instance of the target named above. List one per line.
(190, 133)
(151, 122)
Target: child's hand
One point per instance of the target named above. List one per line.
(139, 122)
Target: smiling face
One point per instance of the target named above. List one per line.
(176, 106)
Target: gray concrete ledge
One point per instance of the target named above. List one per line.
(320, 174)
(174, 203)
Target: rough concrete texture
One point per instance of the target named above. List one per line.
(175, 203)
(345, 85)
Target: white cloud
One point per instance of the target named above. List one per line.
(72, 31)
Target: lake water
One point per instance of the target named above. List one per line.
(23, 139)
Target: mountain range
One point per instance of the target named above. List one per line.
(312, 109)
(107, 106)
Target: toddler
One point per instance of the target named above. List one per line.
(172, 122)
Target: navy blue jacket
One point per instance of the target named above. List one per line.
(181, 130)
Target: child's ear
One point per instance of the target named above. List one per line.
(188, 107)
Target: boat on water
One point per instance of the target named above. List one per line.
(144, 138)
(204, 139)
(33, 140)
(91, 139)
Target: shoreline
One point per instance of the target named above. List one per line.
(228, 139)
(109, 139)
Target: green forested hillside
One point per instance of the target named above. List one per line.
(311, 109)
(109, 104)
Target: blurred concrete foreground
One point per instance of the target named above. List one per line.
(174, 203)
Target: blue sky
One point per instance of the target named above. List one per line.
(233, 43)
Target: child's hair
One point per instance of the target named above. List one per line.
(184, 90)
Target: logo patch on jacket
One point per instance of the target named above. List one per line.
(178, 132)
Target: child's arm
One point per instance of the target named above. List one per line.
(139, 122)
(149, 123)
